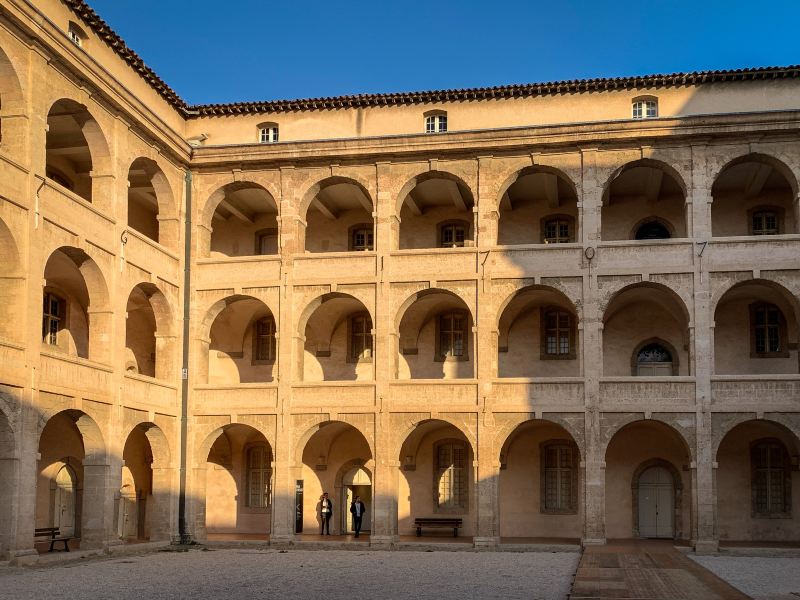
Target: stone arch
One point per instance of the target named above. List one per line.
(652, 219)
(149, 332)
(8, 482)
(151, 202)
(11, 281)
(505, 433)
(504, 305)
(789, 297)
(680, 301)
(746, 418)
(218, 195)
(403, 436)
(11, 97)
(306, 434)
(312, 188)
(625, 421)
(349, 466)
(645, 162)
(677, 504)
(408, 302)
(763, 158)
(317, 302)
(531, 170)
(208, 440)
(425, 175)
(655, 340)
(94, 444)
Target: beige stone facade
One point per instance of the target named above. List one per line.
(552, 321)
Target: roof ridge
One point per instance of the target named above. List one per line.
(567, 86)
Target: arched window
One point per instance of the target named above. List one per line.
(452, 234)
(654, 360)
(53, 316)
(76, 34)
(264, 347)
(559, 478)
(268, 133)
(452, 336)
(558, 337)
(645, 107)
(652, 230)
(451, 475)
(771, 479)
(360, 337)
(259, 476)
(361, 237)
(558, 229)
(767, 331)
(436, 122)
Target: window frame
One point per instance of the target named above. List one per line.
(262, 234)
(272, 131)
(265, 474)
(661, 342)
(440, 227)
(572, 353)
(351, 232)
(76, 34)
(351, 336)
(466, 330)
(60, 318)
(644, 103)
(463, 495)
(785, 471)
(572, 506)
(273, 344)
(779, 219)
(647, 221)
(781, 327)
(435, 122)
(570, 220)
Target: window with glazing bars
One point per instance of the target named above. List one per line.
(769, 478)
(558, 478)
(767, 330)
(436, 124)
(452, 335)
(259, 475)
(765, 222)
(451, 462)
(52, 315)
(360, 337)
(453, 235)
(265, 339)
(268, 135)
(557, 231)
(557, 330)
(645, 109)
(362, 239)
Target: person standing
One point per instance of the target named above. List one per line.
(325, 513)
(357, 509)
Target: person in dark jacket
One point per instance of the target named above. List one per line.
(357, 509)
(325, 513)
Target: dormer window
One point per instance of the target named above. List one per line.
(644, 108)
(75, 34)
(268, 133)
(436, 122)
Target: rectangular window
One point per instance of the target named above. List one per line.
(452, 335)
(267, 243)
(265, 339)
(268, 135)
(769, 479)
(767, 329)
(557, 332)
(652, 109)
(557, 231)
(52, 315)
(436, 123)
(362, 239)
(259, 475)
(451, 475)
(360, 337)
(453, 236)
(558, 478)
(765, 223)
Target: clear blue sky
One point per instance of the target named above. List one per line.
(239, 50)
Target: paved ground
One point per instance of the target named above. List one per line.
(760, 577)
(326, 574)
(646, 569)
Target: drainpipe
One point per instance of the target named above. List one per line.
(185, 537)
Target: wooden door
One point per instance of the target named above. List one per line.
(64, 502)
(656, 503)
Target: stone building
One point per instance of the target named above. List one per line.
(552, 310)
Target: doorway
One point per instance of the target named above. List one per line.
(356, 482)
(64, 501)
(656, 503)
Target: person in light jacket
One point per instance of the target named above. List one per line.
(325, 513)
(357, 509)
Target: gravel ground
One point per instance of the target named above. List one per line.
(759, 577)
(327, 574)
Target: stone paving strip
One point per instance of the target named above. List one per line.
(329, 574)
(762, 577)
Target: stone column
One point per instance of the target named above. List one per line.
(487, 532)
(24, 471)
(385, 481)
(166, 354)
(169, 233)
(196, 503)
(100, 335)
(283, 490)
(97, 508)
(160, 514)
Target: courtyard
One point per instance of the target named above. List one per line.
(331, 574)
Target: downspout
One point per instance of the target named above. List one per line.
(185, 537)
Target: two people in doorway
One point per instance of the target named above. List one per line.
(357, 509)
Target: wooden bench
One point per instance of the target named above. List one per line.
(54, 535)
(437, 522)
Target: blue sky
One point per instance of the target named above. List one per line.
(239, 50)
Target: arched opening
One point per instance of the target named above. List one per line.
(8, 484)
(757, 483)
(436, 212)
(756, 330)
(73, 459)
(75, 295)
(539, 207)
(754, 195)
(538, 335)
(436, 338)
(240, 219)
(336, 458)
(149, 347)
(540, 484)
(337, 339)
(639, 197)
(242, 344)
(639, 319)
(648, 482)
(11, 285)
(338, 217)
(13, 120)
(437, 478)
(143, 502)
(238, 481)
(150, 197)
(74, 144)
